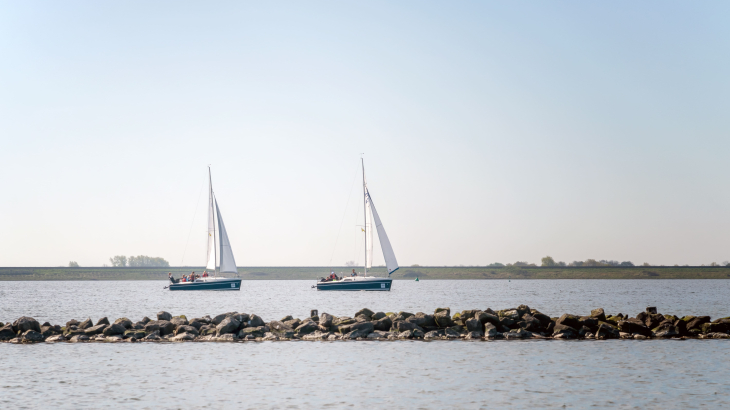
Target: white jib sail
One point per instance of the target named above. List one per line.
(227, 262)
(210, 263)
(388, 253)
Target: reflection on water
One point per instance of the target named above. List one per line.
(402, 374)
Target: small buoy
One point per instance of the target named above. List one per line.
(416, 279)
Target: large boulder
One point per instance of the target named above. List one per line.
(55, 338)
(114, 329)
(378, 316)
(473, 325)
(85, 324)
(133, 333)
(6, 332)
(72, 322)
(447, 310)
(79, 338)
(103, 321)
(26, 323)
(697, 322)
(278, 327)
(522, 310)
(165, 327)
(401, 316)
(653, 320)
(530, 323)
(228, 325)
(666, 330)
(564, 332)
(402, 326)
(598, 314)
(196, 324)
(164, 316)
(216, 320)
(423, 320)
(365, 312)
(95, 330)
(486, 317)
(179, 321)
(570, 321)
(491, 332)
(607, 331)
(383, 324)
(124, 322)
(325, 320)
(715, 328)
(508, 323)
(252, 332)
(443, 318)
(186, 329)
(255, 321)
(634, 326)
(306, 328)
(513, 314)
(32, 336)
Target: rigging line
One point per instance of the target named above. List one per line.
(197, 204)
(343, 218)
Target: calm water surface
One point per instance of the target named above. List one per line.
(403, 374)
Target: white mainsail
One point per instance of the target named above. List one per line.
(210, 263)
(390, 262)
(368, 235)
(228, 263)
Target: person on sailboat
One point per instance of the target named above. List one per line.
(353, 273)
(172, 280)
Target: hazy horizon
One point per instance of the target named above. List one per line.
(491, 132)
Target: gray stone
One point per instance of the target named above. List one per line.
(85, 324)
(185, 329)
(154, 336)
(634, 326)
(306, 328)
(253, 332)
(377, 316)
(383, 324)
(25, 323)
(95, 330)
(474, 335)
(473, 325)
(404, 326)
(113, 330)
(6, 332)
(564, 332)
(183, 337)
(325, 320)
(180, 321)
(607, 331)
(365, 312)
(103, 321)
(408, 334)
(255, 321)
(443, 319)
(366, 327)
(598, 314)
(133, 334)
(570, 321)
(228, 325)
(491, 332)
(434, 334)
(485, 317)
(79, 338)
(219, 318)
(55, 338)
(32, 336)
(164, 316)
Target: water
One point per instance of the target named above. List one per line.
(400, 374)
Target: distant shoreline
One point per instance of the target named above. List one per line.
(421, 272)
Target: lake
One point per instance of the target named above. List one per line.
(396, 374)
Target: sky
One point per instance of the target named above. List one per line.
(490, 131)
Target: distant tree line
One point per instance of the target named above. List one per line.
(121, 261)
(549, 262)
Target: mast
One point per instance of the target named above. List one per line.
(215, 255)
(365, 213)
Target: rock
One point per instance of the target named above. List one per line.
(570, 321)
(378, 335)
(666, 331)
(181, 321)
(642, 317)
(583, 331)
(187, 329)
(653, 320)
(401, 316)
(85, 324)
(317, 335)
(216, 320)
(356, 334)
(408, 334)
(517, 334)
(522, 310)
(32, 336)
(154, 336)
(184, 337)
(124, 322)
(325, 320)
(306, 328)
(164, 316)
(422, 320)
(344, 320)
(544, 319)
(72, 322)
(255, 321)
(69, 333)
(443, 318)
(95, 330)
(530, 323)
(513, 314)
(165, 327)
(598, 314)
(103, 321)
(634, 327)
(134, 333)
(508, 323)
(55, 338)
(651, 310)
(564, 331)
(607, 331)
(474, 335)
(365, 327)
(113, 330)
(365, 312)
(113, 339)
(718, 335)
(25, 324)
(79, 338)
(452, 332)
(405, 326)
(640, 337)
(196, 324)
(6, 332)
(229, 325)
(277, 326)
(473, 325)
(486, 317)
(715, 328)
(490, 331)
(383, 324)
(434, 334)
(378, 316)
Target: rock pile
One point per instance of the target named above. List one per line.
(510, 324)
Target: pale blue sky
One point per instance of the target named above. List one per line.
(492, 131)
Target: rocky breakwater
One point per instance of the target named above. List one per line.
(508, 324)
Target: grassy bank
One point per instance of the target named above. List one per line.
(422, 272)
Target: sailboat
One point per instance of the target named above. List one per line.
(365, 282)
(227, 261)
